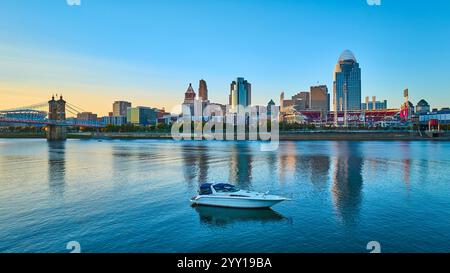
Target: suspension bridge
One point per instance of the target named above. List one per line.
(52, 114)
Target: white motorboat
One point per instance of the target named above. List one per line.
(226, 195)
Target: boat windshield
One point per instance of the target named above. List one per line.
(205, 189)
(225, 188)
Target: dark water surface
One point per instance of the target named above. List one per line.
(133, 196)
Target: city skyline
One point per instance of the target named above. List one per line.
(54, 50)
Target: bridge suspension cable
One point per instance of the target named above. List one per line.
(76, 108)
(75, 113)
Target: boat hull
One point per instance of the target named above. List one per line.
(229, 202)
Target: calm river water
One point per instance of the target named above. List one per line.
(133, 196)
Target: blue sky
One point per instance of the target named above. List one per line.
(149, 51)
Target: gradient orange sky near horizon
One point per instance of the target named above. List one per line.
(32, 75)
(86, 82)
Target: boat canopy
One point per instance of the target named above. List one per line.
(223, 187)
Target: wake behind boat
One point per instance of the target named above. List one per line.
(226, 195)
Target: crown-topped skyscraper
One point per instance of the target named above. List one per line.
(347, 83)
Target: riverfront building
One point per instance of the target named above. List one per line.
(142, 116)
(87, 116)
(193, 102)
(442, 117)
(422, 107)
(240, 93)
(120, 108)
(114, 120)
(202, 91)
(347, 83)
(189, 100)
(298, 102)
(319, 98)
(303, 100)
(189, 95)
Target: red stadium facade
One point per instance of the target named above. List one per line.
(362, 117)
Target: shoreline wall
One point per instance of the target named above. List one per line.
(290, 136)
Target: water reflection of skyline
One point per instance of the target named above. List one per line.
(195, 162)
(347, 181)
(341, 192)
(316, 168)
(56, 167)
(240, 164)
(405, 148)
(344, 169)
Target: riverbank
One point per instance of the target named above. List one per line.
(340, 135)
(22, 135)
(44, 135)
(362, 135)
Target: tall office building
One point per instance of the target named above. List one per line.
(240, 93)
(319, 98)
(189, 95)
(202, 91)
(298, 102)
(347, 83)
(304, 97)
(120, 108)
(189, 101)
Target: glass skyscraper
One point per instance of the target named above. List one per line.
(347, 83)
(240, 93)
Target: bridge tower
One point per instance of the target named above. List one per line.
(56, 129)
